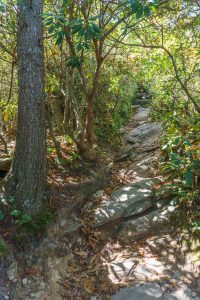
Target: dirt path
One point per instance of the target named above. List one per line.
(120, 244)
(125, 238)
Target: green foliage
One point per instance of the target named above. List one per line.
(74, 62)
(3, 248)
(84, 30)
(180, 161)
(143, 8)
(2, 7)
(1, 215)
(114, 102)
(23, 221)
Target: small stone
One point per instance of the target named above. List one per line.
(79, 240)
(63, 223)
(24, 281)
(42, 285)
(12, 271)
(98, 194)
(38, 295)
(194, 294)
(174, 244)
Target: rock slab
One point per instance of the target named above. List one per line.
(128, 201)
(148, 291)
(152, 222)
(141, 114)
(148, 131)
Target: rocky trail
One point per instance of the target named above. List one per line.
(121, 244)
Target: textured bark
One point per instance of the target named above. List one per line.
(27, 178)
(57, 109)
(91, 138)
(68, 112)
(51, 133)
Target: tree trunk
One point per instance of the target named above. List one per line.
(27, 179)
(91, 138)
(56, 107)
(68, 112)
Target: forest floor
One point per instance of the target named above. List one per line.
(114, 235)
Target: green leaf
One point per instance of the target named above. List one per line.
(15, 213)
(139, 12)
(155, 2)
(61, 19)
(188, 177)
(51, 29)
(58, 25)
(2, 8)
(76, 28)
(81, 32)
(79, 47)
(3, 247)
(47, 14)
(74, 62)
(96, 28)
(48, 21)
(59, 38)
(1, 215)
(87, 35)
(65, 2)
(93, 18)
(135, 5)
(196, 163)
(26, 218)
(147, 11)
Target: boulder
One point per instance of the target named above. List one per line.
(130, 200)
(147, 133)
(153, 222)
(144, 165)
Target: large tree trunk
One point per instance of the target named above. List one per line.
(27, 179)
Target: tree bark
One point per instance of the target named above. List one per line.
(27, 179)
(91, 138)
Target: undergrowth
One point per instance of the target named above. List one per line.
(19, 223)
(180, 163)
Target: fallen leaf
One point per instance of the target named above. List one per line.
(70, 269)
(88, 285)
(81, 253)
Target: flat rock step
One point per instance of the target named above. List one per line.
(153, 291)
(130, 200)
(147, 131)
(153, 222)
(148, 291)
(141, 114)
